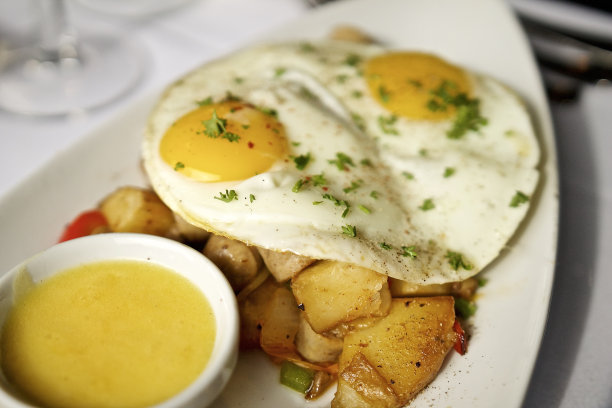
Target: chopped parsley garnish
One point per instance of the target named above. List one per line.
(296, 144)
(238, 80)
(423, 152)
(464, 307)
(252, 197)
(179, 165)
(468, 110)
(482, 282)
(354, 186)
(384, 94)
(409, 251)
(338, 203)
(205, 102)
(341, 161)
(306, 47)
(366, 162)
(455, 259)
(245, 127)
(408, 175)
(317, 202)
(427, 205)
(349, 230)
(358, 121)
(306, 93)
(319, 180)
(341, 78)
(384, 245)
(449, 171)
(357, 94)
(214, 126)
(299, 184)
(386, 124)
(227, 196)
(230, 97)
(415, 83)
(352, 60)
(301, 161)
(365, 209)
(268, 111)
(232, 137)
(278, 72)
(518, 199)
(374, 194)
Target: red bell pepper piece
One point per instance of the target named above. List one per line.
(84, 224)
(461, 342)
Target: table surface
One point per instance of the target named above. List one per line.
(574, 367)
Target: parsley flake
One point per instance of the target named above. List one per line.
(245, 127)
(374, 194)
(232, 137)
(409, 251)
(228, 196)
(214, 126)
(278, 72)
(427, 205)
(449, 171)
(205, 102)
(354, 186)
(179, 165)
(341, 78)
(306, 47)
(384, 245)
(317, 202)
(408, 175)
(518, 199)
(352, 59)
(252, 197)
(358, 121)
(357, 94)
(299, 185)
(268, 111)
(349, 230)
(384, 94)
(365, 209)
(386, 124)
(341, 161)
(464, 307)
(319, 180)
(238, 80)
(455, 259)
(301, 161)
(338, 203)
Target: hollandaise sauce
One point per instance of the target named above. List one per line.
(109, 334)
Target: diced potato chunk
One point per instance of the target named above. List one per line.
(252, 312)
(351, 34)
(464, 289)
(238, 261)
(406, 349)
(316, 347)
(284, 265)
(332, 292)
(280, 324)
(131, 209)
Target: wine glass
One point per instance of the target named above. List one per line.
(66, 73)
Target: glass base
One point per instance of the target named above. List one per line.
(106, 69)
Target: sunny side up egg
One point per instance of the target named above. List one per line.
(396, 161)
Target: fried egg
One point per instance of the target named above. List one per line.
(396, 161)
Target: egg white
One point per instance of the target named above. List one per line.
(314, 98)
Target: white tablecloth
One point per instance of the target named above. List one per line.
(574, 368)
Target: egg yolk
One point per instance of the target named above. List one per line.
(416, 85)
(224, 141)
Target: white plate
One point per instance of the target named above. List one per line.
(512, 307)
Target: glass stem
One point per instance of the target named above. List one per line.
(57, 39)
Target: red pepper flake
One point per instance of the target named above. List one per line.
(268, 126)
(251, 145)
(325, 188)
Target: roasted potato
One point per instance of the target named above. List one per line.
(316, 347)
(284, 265)
(280, 324)
(238, 261)
(189, 232)
(351, 34)
(252, 312)
(464, 289)
(388, 363)
(132, 209)
(332, 292)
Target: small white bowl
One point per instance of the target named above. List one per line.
(178, 257)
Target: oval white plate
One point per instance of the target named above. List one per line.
(512, 307)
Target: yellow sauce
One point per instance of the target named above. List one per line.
(109, 334)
